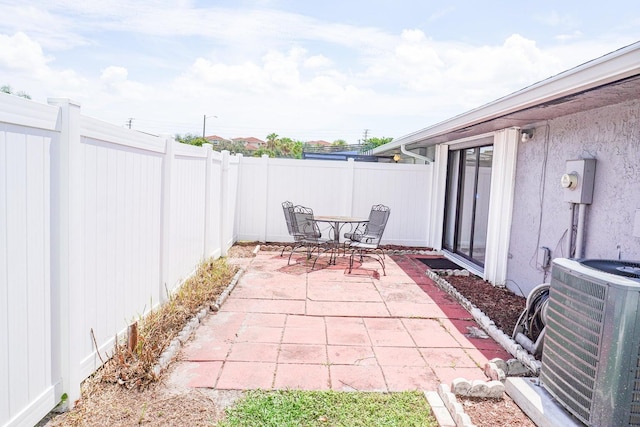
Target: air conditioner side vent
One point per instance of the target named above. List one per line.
(591, 356)
(634, 410)
(572, 344)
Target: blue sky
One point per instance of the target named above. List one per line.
(307, 70)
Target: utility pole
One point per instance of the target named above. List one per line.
(129, 122)
(204, 124)
(366, 135)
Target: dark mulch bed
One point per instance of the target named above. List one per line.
(499, 304)
(486, 412)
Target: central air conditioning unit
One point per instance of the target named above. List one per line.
(591, 355)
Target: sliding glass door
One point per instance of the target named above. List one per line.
(467, 202)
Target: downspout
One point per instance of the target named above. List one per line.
(406, 152)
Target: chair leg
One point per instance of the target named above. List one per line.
(381, 261)
(379, 258)
(315, 260)
(318, 247)
(293, 248)
(283, 248)
(351, 261)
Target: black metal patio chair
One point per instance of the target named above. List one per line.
(365, 242)
(287, 208)
(362, 230)
(307, 231)
(304, 230)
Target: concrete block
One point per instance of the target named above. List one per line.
(538, 404)
(462, 419)
(479, 388)
(443, 388)
(183, 336)
(496, 389)
(461, 386)
(456, 408)
(438, 409)
(449, 401)
(501, 364)
(516, 368)
(492, 371)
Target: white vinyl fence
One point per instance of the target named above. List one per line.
(99, 222)
(333, 188)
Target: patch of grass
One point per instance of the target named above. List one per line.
(329, 408)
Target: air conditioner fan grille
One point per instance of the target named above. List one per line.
(572, 345)
(634, 415)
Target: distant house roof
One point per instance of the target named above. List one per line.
(216, 139)
(250, 143)
(252, 146)
(249, 140)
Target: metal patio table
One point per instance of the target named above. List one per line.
(337, 222)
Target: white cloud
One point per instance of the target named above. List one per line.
(575, 35)
(281, 76)
(19, 52)
(555, 19)
(25, 65)
(114, 75)
(318, 61)
(48, 29)
(268, 69)
(116, 83)
(462, 75)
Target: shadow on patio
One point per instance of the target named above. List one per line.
(283, 327)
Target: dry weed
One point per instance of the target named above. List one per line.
(134, 367)
(125, 392)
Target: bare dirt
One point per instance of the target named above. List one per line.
(158, 405)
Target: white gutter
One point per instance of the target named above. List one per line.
(414, 155)
(612, 67)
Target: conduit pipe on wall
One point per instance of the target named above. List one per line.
(582, 210)
(569, 244)
(406, 152)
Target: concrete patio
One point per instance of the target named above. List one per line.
(286, 327)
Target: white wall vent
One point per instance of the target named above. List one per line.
(591, 355)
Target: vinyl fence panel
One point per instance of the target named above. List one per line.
(96, 223)
(122, 188)
(28, 389)
(188, 211)
(333, 188)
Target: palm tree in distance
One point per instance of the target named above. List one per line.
(272, 141)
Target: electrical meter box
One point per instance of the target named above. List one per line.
(578, 180)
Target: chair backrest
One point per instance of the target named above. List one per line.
(304, 224)
(287, 208)
(377, 223)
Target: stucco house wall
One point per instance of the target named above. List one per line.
(541, 217)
